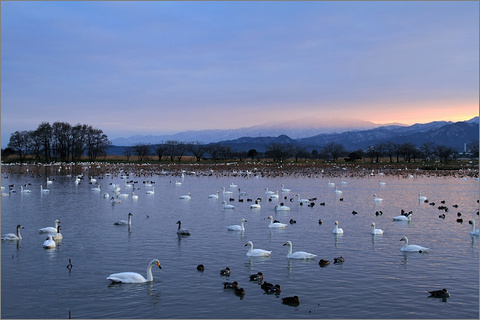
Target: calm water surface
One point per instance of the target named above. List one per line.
(377, 280)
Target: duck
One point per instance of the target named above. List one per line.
(285, 189)
(298, 254)
(408, 217)
(411, 247)
(58, 235)
(256, 277)
(133, 277)
(439, 293)
(377, 199)
(323, 263)
(376, 231)
(124, 222)
(274, 289)
(186, 196)
(225, 272)
(13, 236)
(291, 300)
(237, 227)
(227, 206)
(214, 196)
(421, 198)
(201, 267)
(339, 260)
(256, 205)
(265, 285)
(50, 229)
(337, 230)
(256, 252)
(49, 243)
(473, 232)
(239, 291)
(183, 232)
(281, 207)
(231, 285)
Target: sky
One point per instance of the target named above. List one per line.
(158, 67)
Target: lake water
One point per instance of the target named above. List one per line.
(376, 280)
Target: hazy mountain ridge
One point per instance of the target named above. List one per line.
(452, 134)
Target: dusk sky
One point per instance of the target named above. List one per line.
(163, 67)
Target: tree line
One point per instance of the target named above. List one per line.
(175, 150)
(59, 141)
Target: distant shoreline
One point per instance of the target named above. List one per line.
(247, 169)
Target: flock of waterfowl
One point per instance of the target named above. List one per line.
(53, 233)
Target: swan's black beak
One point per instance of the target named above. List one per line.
(246, 244)
(284, 244)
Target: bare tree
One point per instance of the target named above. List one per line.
(277, 151)
(197, 148)
(142, 150)
(19, 142)
(214, 150)
(160, 150)
(334, 149)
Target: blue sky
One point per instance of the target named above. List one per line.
(158, 67)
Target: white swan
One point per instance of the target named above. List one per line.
(133, 277)
(300, 200)
(376, 231)
(330, 184)
(50, 229)
(281, 207)
(180, 231)
(124, 222)
(186, 196)
(44, 190)
(337, 191)
(58, 235)
(13, 236)
(421, 198)
(97, 189)
(214, 196)
(256, 205)
(256, 252)
(377, 199)
(25, 190)
(226, 192)
(411, 247)
(274, 196)
(106, 195)
(298, 254)
(49, 243)
(237, 227)
(49, 181)
(227, 206)
(343, 182)
(151, 191)
(134, 196)
(381, 183)
(473, 232)
(178, 183)
(268, 192)
(284, 189)
(337, 230)
(403, 218)
(276, 224)
(233, 185)
(92, 180)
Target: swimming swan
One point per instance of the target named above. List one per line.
(337, 230)
(276, 224)
(281, 207)
(411, 247)
(13, 236)
(124, 222)
(299, 200)
(227, 206)
(421, 198)
(58, 235)
(376, 231)
(284, 189)
(180, 231)
(49, 243)
(377, 199)
(473, 232)
(50, 229)
(403, 218)
(237, 227)
(186, 196)
(298, 254)
(256, 252)
(133, 277)
(214, 196)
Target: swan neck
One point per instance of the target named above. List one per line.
(290, 249)
(149, 271)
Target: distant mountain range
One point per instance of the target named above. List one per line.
(295, 129)
(360, 135)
